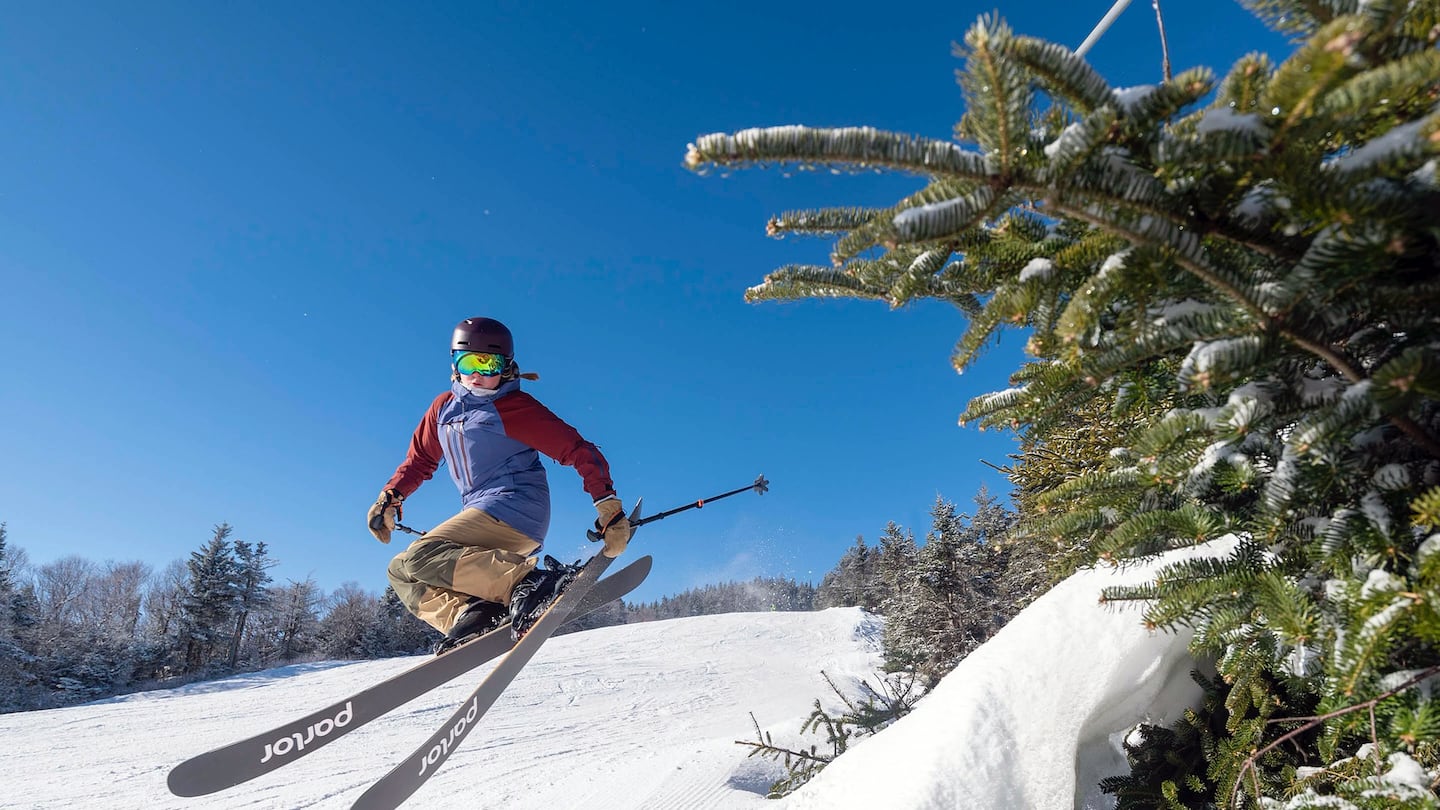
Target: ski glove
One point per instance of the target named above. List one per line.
(613, 524)
(384, 514)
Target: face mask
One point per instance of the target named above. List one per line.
(478, 391)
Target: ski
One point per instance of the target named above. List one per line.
(407, 777)
(256, 756)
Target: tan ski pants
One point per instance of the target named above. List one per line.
(471, 554)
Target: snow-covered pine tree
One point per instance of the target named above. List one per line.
(12, 604)
(1233, 287)
(955, 597)
(893, 569)
(252, 594)
(757, 594)
(209, 604)
(403, 634)
(923, 631)
(18, 689)
(846, 584)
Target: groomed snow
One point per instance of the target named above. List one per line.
(643, 715)
(647, 716)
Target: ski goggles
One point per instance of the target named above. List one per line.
(482, 363)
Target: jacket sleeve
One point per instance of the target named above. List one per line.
(527, 421)
(425, 453)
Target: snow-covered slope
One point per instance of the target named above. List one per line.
(646, 717)
(637, 716)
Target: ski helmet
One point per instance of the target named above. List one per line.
(483, 335)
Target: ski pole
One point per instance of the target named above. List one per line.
(761, 486)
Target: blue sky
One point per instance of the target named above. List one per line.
(234, 240)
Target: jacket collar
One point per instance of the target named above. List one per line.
(461, 392)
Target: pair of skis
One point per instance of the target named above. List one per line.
(270, 750)
(407, 777)
(244, 760)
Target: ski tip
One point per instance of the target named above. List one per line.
(643, 564)
(181, 782)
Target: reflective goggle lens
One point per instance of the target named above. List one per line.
(482, 363)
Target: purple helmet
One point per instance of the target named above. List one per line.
(483, 335)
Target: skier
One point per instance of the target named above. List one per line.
(466, 575)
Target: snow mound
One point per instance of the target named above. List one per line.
(1034, 718)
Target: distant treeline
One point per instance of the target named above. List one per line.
(73, 630)
(759, 594)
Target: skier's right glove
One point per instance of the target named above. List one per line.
(384, 514)
(613, 526)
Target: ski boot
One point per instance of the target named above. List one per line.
(476, 619)
(534, 594)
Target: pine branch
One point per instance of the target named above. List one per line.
(1061, 70)
(767, 748)
(998, 98)
(947, 219)
(862, 147)
(1314, 721)
(1153, 233)
(823, 222)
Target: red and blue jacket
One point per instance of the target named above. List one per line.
(493, 445)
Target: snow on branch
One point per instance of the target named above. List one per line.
(853, 146)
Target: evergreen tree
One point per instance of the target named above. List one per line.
(13, 614)
(18, 680)
(849, 583)
(923, 626)
(72, 630)
(251, 593)
(209, 605)
(9, 594)
(893, 570)
(959, 593)
(759, 594)
(1233, 300)
(403, 634)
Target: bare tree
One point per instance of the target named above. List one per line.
(353, 616)
(288, 627)
(60, 590)
(112, 602)
(163, 602)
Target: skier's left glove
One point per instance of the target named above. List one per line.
(384, 514)
(613, 525)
